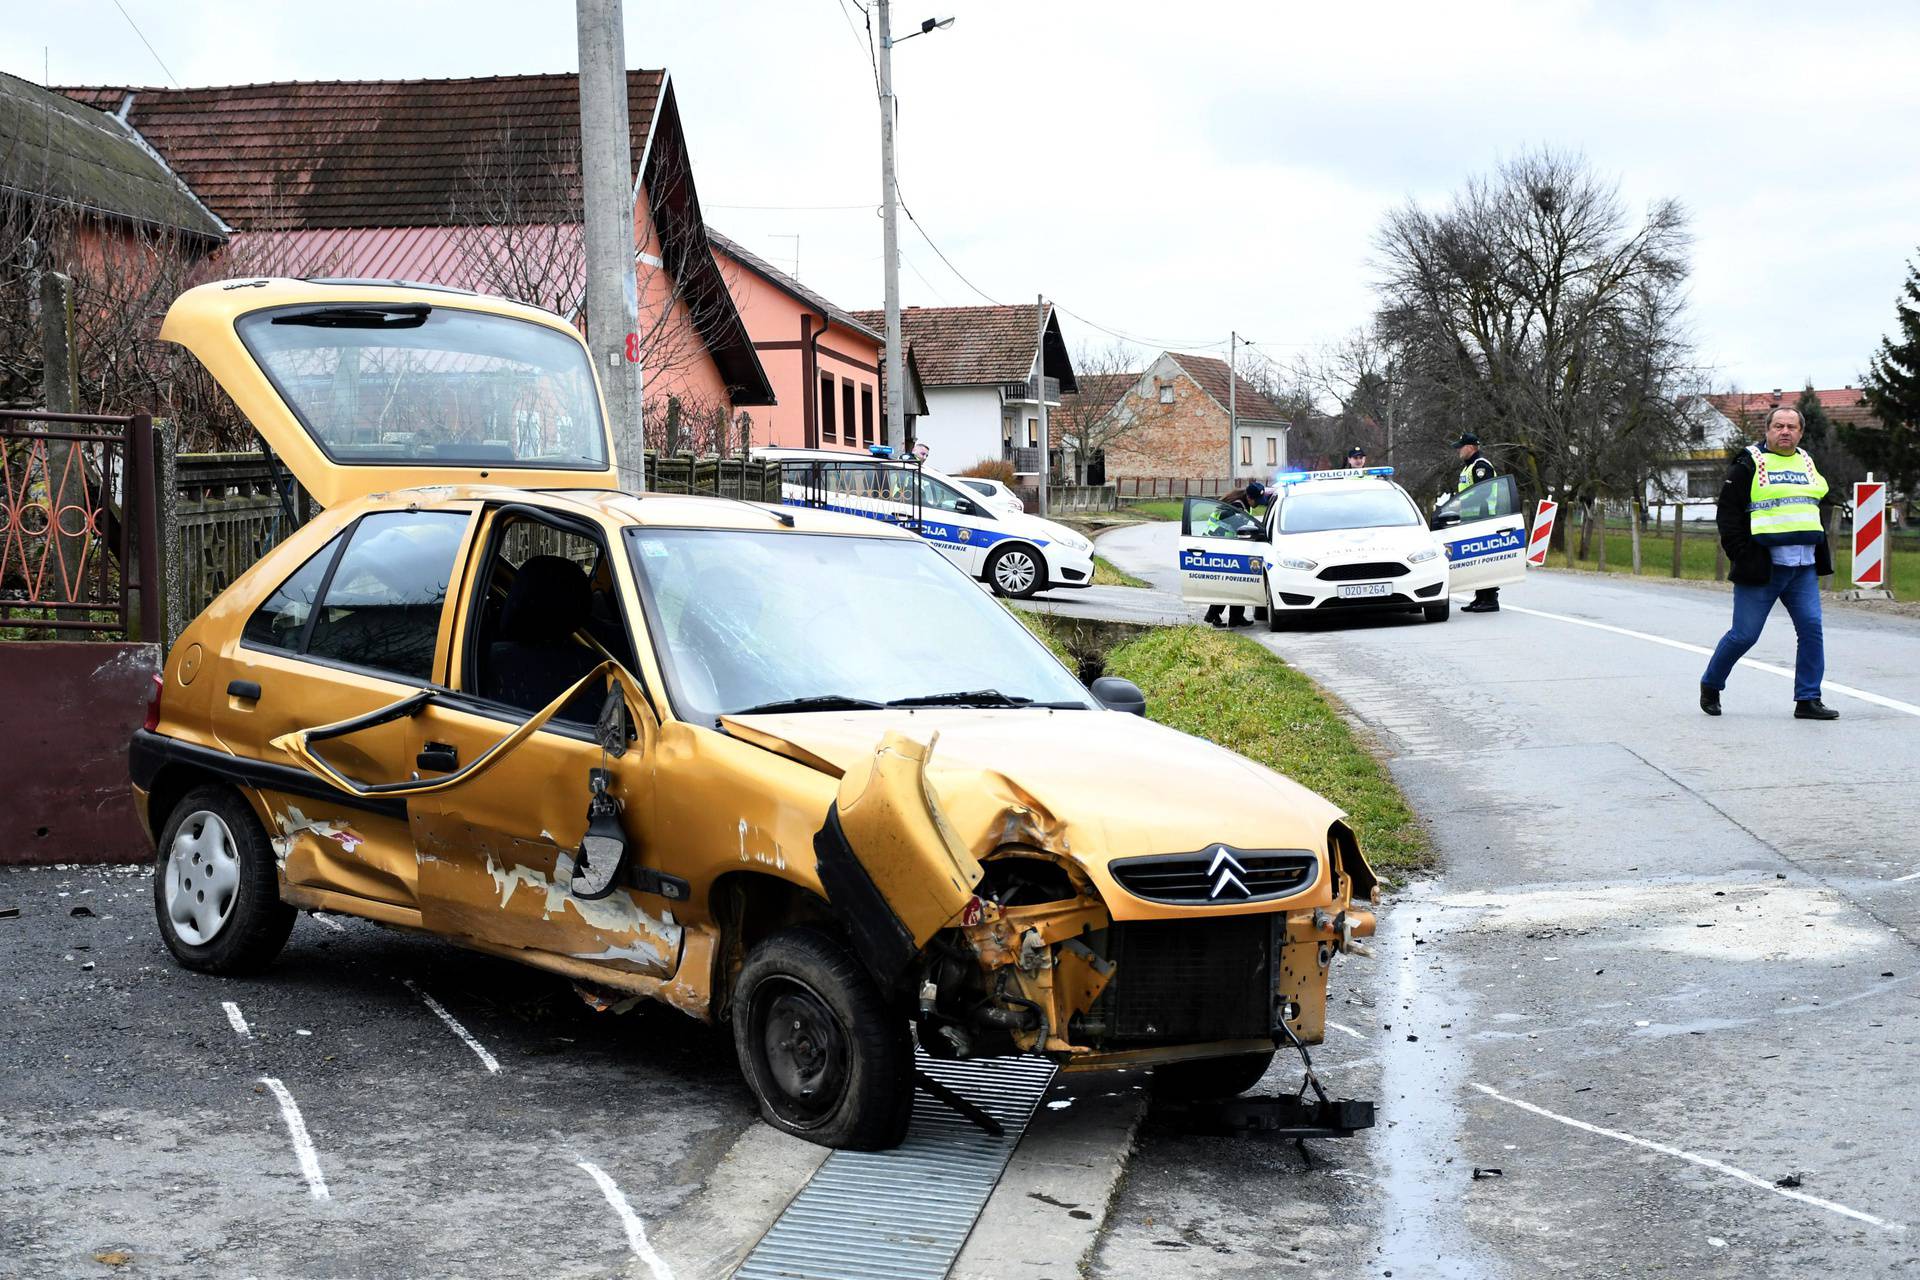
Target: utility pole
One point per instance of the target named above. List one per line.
(889, 196)
(1040, 392)
(1233, 405)
(606, 166)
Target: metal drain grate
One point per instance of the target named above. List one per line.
(904, 1214)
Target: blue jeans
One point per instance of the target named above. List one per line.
(1798, 588)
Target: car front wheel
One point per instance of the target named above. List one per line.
(1438, 612)
(216, 889)
(823, 1052)
(1016, 571)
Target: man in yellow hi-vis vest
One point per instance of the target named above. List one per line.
(1769, 521)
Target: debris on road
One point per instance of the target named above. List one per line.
(1790, 1181)
(9, 913)
(114, 1257)
(86, 912)
(1481, 1175)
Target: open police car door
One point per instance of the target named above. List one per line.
(1485, 535)
(1223, 555)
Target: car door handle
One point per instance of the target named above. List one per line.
(247, 689)
(441, 757)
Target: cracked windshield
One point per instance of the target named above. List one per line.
(790, 622)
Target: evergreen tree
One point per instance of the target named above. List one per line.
(1821, 438)
(1892, 390)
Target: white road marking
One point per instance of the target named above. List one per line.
(1911, 875)
(1349, 1030)
(1705, 1162)
(302, 1144)
(234, 1019)
(636, 1230)
(479, 1050)
(1826, 686)
(328, 921)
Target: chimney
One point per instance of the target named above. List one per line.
(1776, 395)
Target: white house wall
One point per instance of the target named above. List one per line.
(962, 426)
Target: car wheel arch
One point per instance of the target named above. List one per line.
(751, 906)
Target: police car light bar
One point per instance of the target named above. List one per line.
(880, 450)
(1344, 473)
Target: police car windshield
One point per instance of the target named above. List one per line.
(1338, 506)
(746, 619)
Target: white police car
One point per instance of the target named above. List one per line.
(1014, 553)
(1351, 539)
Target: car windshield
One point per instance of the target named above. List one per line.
(1319, 510)
(794, 621)
(391, 385)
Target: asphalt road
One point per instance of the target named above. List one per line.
(1666, 984)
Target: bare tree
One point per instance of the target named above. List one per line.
(1534, 312)
(1101, 413)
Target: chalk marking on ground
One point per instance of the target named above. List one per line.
(1912, 875)
(636, 1230)
(328, 921)
(1343, 1027)
(236, 1020)
(302, 1144)
(1826, 686)
(1705, 1162)
(479, 1050)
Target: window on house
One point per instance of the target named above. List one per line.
(1166, 392)
(827, 433)
(1246, 451)
(866, 414)
(1273, 451)
(1033, 433)
(1703, 484)
(848, 424)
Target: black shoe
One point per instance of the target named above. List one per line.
(1710, 700)
(1480, 606)
(1814, 709)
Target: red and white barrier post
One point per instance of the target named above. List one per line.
(1870, 536)
(1542, 532)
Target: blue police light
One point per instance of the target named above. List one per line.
(1379, 471)
(880, 450)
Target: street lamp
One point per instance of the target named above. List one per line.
(889, 199)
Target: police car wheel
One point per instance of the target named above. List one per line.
(1015, 571)
(1438, 612)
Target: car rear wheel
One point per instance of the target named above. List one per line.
(1211, 1077)
(827, 1058)
(216, 890)
(1438, 612)
(1016, 571)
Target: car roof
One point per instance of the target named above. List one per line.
(657, 510)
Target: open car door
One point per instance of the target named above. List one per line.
(1223, 555)
(1485, 534)
(363, 387)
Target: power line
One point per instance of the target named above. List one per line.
(143, 40)
(1165, 344)
(961, 277)
(794, 208)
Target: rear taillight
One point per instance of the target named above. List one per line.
(153, 706)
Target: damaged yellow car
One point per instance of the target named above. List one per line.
(777, 767)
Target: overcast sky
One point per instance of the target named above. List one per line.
(1177, 171)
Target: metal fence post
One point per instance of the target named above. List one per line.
(1634, 510)
(144, 495)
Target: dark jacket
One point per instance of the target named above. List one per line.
(1749, 563)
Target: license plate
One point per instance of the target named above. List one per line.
(1358, 590)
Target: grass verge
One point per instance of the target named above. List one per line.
(1232, 691)
(1108, 574)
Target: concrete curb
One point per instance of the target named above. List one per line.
(712, 1234)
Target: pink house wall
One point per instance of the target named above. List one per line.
(798, 357)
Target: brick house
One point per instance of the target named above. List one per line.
(471, 183)
(976, 366)
(1176, 423)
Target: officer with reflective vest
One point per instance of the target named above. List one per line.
(1475, 468)
(1769, 521)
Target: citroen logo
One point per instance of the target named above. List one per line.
(1225, 872)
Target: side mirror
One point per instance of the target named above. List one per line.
(966, 507)
(1250, 532)
(1442, 519)
(1116, 694)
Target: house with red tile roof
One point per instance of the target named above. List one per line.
(471, 183)
(1691, 480)
(1175, 421)
(977, 366)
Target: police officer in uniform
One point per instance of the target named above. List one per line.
(1246, 498)
(1769, 521)
(1476, 467)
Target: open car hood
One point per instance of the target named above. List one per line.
(366, 387)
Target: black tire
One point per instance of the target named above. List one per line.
(1438, 612)
(255, 923)
(1019, 564)
(1211, 1077)
(1274, 615)
(843, 1074)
